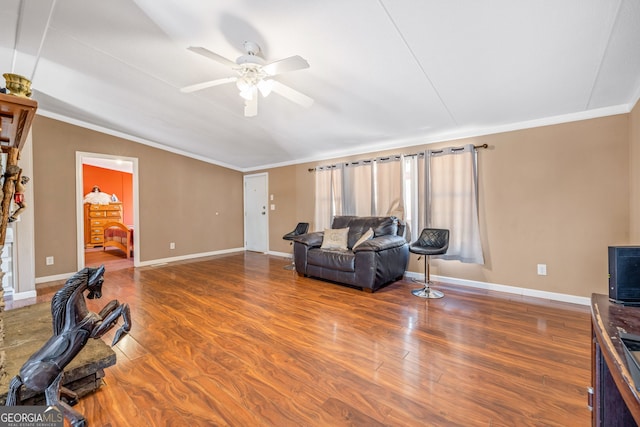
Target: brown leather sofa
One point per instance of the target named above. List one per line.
(372, 264)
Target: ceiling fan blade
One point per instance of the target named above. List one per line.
(204, 85)
(251, 107)
(292, 94)
(219, 58)
(291, 63)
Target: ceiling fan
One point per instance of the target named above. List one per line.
(254, 75)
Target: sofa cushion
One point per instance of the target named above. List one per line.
(342, 221)
(386, 227)
(366, 236)
(357, 225)
(335, 238)
(332, 259)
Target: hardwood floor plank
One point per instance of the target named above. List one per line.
(347, 415)
(237, 340)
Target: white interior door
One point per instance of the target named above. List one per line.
(256, 214)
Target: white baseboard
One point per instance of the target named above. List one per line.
(280, 254)
(24, 295)
(190, 256)
(65, 276)
(46, 279)
(505, 288)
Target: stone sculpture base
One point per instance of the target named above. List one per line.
(26, 330)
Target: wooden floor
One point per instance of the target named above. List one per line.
(112, 258)
(237, 340)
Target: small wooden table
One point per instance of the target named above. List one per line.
(27, 329)
(616, 400)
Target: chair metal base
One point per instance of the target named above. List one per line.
(291, 266)
(427, 292)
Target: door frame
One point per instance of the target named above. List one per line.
(80, 156)
(244, 206)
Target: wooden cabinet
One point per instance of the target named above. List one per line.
(95, 218)
(616, 400)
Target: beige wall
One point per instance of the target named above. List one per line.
(289, 185)
(555, 195)
(178, 196)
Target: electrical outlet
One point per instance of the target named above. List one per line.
(542, 269)
(172, 245)
(49, 260)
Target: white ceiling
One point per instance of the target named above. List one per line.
(384, 74)
(109, 163)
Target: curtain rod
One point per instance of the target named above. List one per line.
(477, 147)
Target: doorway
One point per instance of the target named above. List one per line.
(111, 166)
(256, 214)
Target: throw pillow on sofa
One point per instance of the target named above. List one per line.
(335, 238)
(366, 236)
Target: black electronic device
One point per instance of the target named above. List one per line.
(624, 274)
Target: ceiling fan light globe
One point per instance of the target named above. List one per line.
(265, 87)
(246, 94)
(243, 84)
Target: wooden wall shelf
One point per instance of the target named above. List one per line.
(16, 116)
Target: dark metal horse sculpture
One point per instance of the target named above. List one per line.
(73, 325)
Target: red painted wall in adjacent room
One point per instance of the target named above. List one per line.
(111, 182)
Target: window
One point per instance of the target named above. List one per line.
(436, 189)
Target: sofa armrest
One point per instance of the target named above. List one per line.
(311, 240)
(380, 243)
